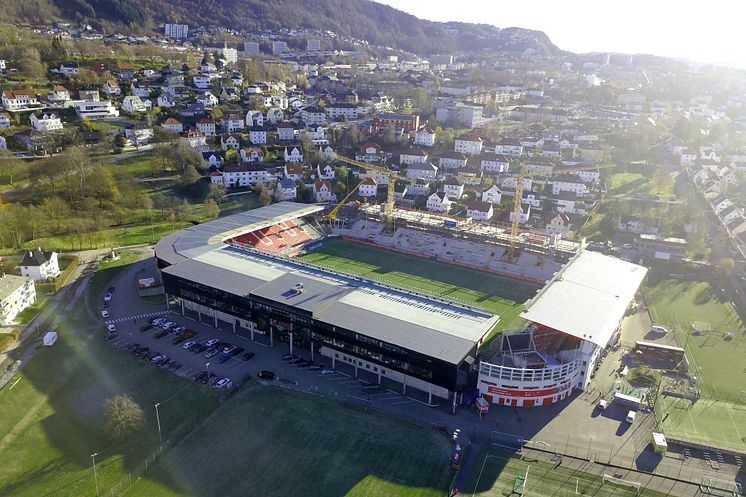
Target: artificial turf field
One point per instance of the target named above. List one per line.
(493, 293)
(495, 474)
(719, 417)
(273, 442)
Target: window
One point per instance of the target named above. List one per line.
(383, 371)
(336, 355)
(375, 368)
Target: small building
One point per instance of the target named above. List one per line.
(16, 294)
(322, 191)
(286, 189)
(479, 210)
(659, 247)
(368, 188)
(468, 144)
(424, 137)
(46, 122)
(39, 265)
(492, 195)
(438, 202)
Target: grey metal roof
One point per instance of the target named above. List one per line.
(9, 283)
(588, 298)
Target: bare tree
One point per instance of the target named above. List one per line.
(124, 416)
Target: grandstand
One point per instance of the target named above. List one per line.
(284, 238)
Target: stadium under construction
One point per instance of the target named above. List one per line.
(239, 271)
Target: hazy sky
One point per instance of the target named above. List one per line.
(705, 31)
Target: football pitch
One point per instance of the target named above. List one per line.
(710, 422)
(502, 296)
(496, 475)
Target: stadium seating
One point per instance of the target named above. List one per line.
(284, 237)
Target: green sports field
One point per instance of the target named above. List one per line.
(495, 475)
(274, 442)
(707, 421)
(493, 293)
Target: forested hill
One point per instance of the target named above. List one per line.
(376, 23)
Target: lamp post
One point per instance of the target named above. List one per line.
(158, 421)
(207, 366)
(95, 476)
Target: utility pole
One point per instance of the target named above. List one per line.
(95, 476)
(158, 421)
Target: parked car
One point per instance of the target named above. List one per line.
(104, 314)
(211, 353)
(223, 358)
(188, 345)
(248, 356)
(212, 342)
(230, 348)
(223, 383)
(111, 328)
(107, 297)
(157, 321)
(265, 375)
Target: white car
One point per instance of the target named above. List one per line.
(223, 383)
(211, 342)
(168, 325)
(188, 345)
(104, 313)
(107, 297)
(111, 328)
(660, 330)
(158, 321)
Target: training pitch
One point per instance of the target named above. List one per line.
(502, 296)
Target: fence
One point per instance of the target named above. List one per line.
(65, 275)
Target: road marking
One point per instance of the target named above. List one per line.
(14, 383)
(403, 402)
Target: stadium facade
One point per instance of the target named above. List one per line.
(575, 317)
(234, 272)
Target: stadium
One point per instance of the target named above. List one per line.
(249, 272)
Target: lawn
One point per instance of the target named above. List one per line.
(709, 422)
(493, 293)
(621, 180)
(719, 364)
(631, 183)
(273, 442)
(495, 474)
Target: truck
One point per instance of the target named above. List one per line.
(627, 400)
(49, 339)
(450, 223)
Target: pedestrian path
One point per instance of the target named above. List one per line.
(137, 316)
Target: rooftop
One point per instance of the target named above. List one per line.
(10, 283)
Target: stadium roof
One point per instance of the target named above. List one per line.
(435, 328)
(202, 238)
(588, 298)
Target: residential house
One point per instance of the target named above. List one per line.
(254, 118)
(46, 122)
(206, 126)
(659, 247)
(173, 124)
(322, 191)
(5, 120)
(557, 223)
(638, 225)
(510, 147)
(16, 294)
(293, 170)
(729, 214)
(228, 94)
(342, 111)
(412, 156)
(92, 109)
(295, 155)
(140, 89)
(68, 70)
(568, 203)
(425, 137)
(426, 170)
(209, 101)
(438, 202)
(195, 139)
(285, 132)
(531, 198)
(202, 82)
(453, 188)
(401, 123)
(285, 189)
(688, 157)
(252, 154)
(511, 183)
(492, 195)
(139, 135)
(39, 265)
(469, 176)
(539, 166)
(569, 183)
(327, 152)
(3, 143)
(524, 215)
(89, 94)
(720, 203)
(165, 101)
(15, 100)
(213, 158)
(111, 88)
(133, 104)
(370, 152)
(58, 94)
(468, 144)
(494, 163)
(368, 188)
(236, 175)
(312, 116)
(232, 122)
(420, 187)
(479, 210)
(257, 135)
(452, 160)
(230, 142)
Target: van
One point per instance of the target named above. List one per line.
(631, 417)
(602, 404)
(660, 330)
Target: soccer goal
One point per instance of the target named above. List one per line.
(721, 488)
(507, 441)
(631, 486)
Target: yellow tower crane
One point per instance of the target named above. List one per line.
(512, 253)
(388, 210)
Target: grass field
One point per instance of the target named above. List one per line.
(273, 442)
(707, 421)
(495, 474)
(502, 296)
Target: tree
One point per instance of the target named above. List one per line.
(265, 198)
(104, 187)
(212, 210)
(661, 179)
(189, 176)
(123, 415)
(726, 265)
(9, 166)
(55, 209)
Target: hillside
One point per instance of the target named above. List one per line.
(376, 23)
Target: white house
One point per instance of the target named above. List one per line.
(14, 100)
(492, 195)
(453, 188)
(285, 189)
(257, 135)
(139, 89)
(49, 121)
(510, 147)
(254, 118)
(202, 82)
(322, 191)
(3, 143)
(557, 223)
(523, 217)
(111, 88)
(511, 182)
(195, 139)
(68, 70)
(425, 137)
(368, 188)
(538, 166)
(165, 101)
(412, 156)
(208, 100)
(494, 163)
(479, 210)
(243, 175)
(173, 124)
(39, 265)
(294, 155)
(91, 109)
(452, 160)
(569, 183)
(4, 120)
(312, 115)
(327, 152)
(438, 202)
(426, 170)
(252, 154)
(468, 144)
(327, 172)
(285, 132)
(342, 110)
(133, 104)
(16, 294)
(58, 94)
(419, 188)
(293, 170)
(638, 225)
(232, 122)
(230, 142)
(206, 126)
(139, 135)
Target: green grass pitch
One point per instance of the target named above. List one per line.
(493, 293)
